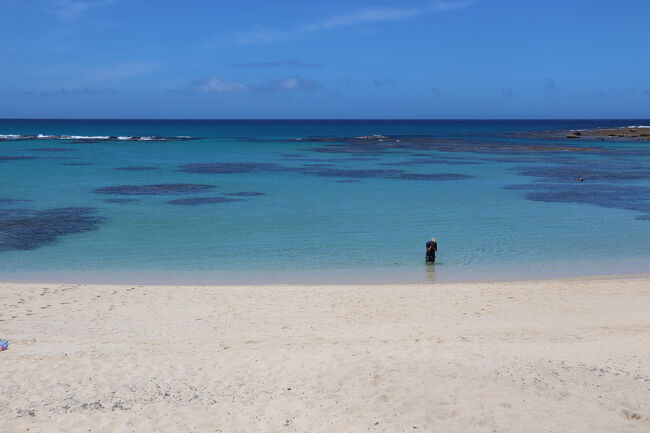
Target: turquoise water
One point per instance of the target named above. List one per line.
(501, 197)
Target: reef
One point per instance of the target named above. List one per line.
(15, 158)
(321, 170)
(246, 194)
(159, 189)
(633, 132)
(22, 229)
(54, 149)
(195, 201)
(120, 200)
(136, 168)
(231, 167)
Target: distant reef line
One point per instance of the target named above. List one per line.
(635, 132)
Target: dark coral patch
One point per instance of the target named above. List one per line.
(77, 164)
(15, 158)
(347, 181)
(231, 167)
(136, 168)
(54, 149)
(195, 201)
(29, 230)
(310, 166)
(324, 160)
(429, 162)
(353, 173)
(619, 196)
(374, 145)
(160, 189)
(321, 170)
(567, 172)
(246, 194)
(9, 201)
(120, 200)
(433, 176)
(516, 159)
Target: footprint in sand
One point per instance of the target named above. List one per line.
(631, 415)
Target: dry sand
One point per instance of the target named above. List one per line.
(547, 356)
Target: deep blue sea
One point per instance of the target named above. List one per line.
(204, 202)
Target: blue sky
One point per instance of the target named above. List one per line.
(334, 59)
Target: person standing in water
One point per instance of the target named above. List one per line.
(432, 247)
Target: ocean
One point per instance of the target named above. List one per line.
(319, 201)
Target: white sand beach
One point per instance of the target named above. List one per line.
(545, 356)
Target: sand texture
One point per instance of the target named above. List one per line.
(548, 356)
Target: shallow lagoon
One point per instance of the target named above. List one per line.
(278, 201)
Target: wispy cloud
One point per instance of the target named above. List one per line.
(616, 92)
(384, 82)
(295, 83)
(349, 82)
(75, 8)
(73, 91)
(90, 91)
(264, 36)
(366, 16)
(100, 74)
(120, 71)
(360, 17)
(68, 9)
(215, 84)
(279, 64)
(549, 86)
(444, 6)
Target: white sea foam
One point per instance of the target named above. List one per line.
(366, 137)
(86, 137)
(91, 137)
(639, 126)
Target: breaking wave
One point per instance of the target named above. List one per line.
(4, 137)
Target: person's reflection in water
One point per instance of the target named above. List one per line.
(430, 273)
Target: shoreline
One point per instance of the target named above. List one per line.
(515, 357)
(608, 277)
(423, 274)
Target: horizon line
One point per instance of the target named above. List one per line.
(329, 118)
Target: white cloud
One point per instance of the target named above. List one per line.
(75, 8)
(215, 84)
(264, 36)
(287, 84)
(364, 17)
(361, 17)
(443, 6)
